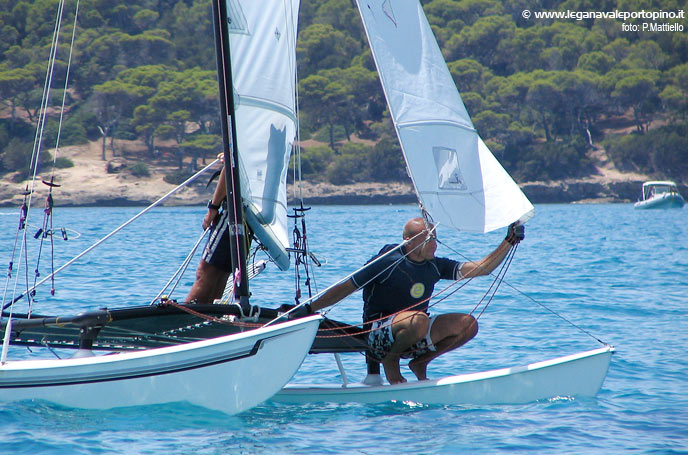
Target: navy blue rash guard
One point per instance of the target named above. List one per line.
(396, 283)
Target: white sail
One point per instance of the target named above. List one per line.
(263, 49)
(458, 180)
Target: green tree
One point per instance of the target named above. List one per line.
(597, 62)
(545, 98)
(314, 161)
(350, 166)
(326, 98)
(581, 102)
(481, 41)
(469, 75)
(386, 162)
(16, 86)
(199, 146)
(640, 94)
(320, 46)
(343, 16)
(645, 54)
(113, 100)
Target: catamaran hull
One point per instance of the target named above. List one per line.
(662, 201)
(229, 373)
(578, 375)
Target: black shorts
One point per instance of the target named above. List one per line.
(216, 251)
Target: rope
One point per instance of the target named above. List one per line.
(310, 299)
(231, 322)
(66, 85)
(298, 181)
(38, 138)
(495, 284)
(182, 268)
(17, 237)
(122, 226)
(541, 305)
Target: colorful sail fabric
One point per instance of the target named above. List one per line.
(458, 180)
(263, 49)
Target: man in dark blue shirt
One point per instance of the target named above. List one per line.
(397, 285)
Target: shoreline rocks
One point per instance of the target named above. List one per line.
(131, 194)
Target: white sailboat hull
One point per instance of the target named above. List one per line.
(577, 375)
(229, 374)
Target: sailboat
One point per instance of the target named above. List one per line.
(459, 185)
(222, 357)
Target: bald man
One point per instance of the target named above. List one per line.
(396, 291)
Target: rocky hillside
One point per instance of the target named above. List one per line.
(89, 184)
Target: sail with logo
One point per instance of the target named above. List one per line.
(458, 180)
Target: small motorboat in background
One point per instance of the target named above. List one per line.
(660, 195)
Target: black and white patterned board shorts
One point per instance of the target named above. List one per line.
(380, 340)
(216, 251)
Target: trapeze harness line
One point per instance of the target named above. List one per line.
(131, 220)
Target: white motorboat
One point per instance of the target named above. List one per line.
(660, 195)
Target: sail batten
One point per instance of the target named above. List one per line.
(458, 180)
(287, 111)
(411, 124)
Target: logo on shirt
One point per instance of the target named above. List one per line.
(417, 290)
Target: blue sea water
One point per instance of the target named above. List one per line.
(617, 273)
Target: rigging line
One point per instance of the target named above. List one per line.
(544, 306)
(232, 148)
(43, 232)
(17, 237)
(443, 298)
(66, 85)
(34, 160)
(232, 321)
(298, 187)
(122, 226)
(310, 299)
(182, 268)
(479, 266)
(497, 277)
(45, 100)
(41, 125)
(452, 284)
(47, 218)
(113, 332)
(498, 280)
(119, 332)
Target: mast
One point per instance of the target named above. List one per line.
(234, 201)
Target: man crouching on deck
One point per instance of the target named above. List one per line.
(396, 292)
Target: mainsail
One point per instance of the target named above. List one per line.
(263, 49)
(458, 180)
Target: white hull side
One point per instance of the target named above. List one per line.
(229, 374)
(577, 375)
(662, 201)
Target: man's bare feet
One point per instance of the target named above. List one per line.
(392, 371)
(419, 369)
